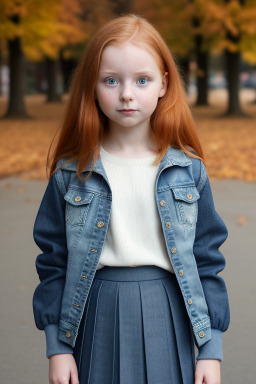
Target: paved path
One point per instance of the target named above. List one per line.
(22, 351)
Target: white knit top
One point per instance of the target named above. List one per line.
(134, 235)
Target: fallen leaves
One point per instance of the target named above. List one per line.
(241, 220)
(229, 143)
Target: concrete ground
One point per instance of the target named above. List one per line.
(22, 351)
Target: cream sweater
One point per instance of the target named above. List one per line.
(134, 235)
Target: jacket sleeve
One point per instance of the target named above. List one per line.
(211, 232)
(49, 234)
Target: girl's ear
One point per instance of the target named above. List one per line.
(164, 85)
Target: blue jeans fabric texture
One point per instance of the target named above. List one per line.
(70, 229)
(135, 329)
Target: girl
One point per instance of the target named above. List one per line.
(130, 251)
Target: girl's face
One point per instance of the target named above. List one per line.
(129, 85)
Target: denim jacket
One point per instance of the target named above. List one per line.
(71, 227)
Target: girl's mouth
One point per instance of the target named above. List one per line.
(127, 111)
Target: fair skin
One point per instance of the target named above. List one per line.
(63, 369)
(207, 371)
(129, 78)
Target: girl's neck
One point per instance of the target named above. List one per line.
(122, 159)
(137, 142)
(130, 151)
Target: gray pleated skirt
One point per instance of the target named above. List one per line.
(135, 329)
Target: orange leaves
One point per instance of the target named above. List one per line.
(43, 26)
(229, 143)
(232, 20)
(24, 144)
(14, 7)
(241, 220)
(71, 22)
(180, 20)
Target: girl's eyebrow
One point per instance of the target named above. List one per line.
(146, 72)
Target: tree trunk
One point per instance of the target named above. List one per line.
(202, 59)
(1, 63)
(183, 64)
(52, 73)
(232, 61)
(16, 106)
(67, 69)
(202, 73)
(122, 6)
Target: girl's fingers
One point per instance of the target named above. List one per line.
(60, 381)
(199, 380)
(74, 377)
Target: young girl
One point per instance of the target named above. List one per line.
(127, 226)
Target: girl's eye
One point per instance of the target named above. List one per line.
(143, 80)
(111, 80)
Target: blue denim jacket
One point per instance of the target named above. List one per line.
(71, 227)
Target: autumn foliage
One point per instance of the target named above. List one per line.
(47, 27)
(216, 18)
(229, 143)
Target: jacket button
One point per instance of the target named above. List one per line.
(189, 195)
(173, 250)
(201, 334)
(190, 301)
(181, 272)
(78, 198)
(162, 203)
(68, 334)
(100, 224)
(168, 224)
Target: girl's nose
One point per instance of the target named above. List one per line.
(126, 93)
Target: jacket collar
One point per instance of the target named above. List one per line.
(172, 156)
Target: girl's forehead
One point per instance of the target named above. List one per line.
(126, 54)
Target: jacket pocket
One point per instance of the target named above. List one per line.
(77, 206)
(186, 204)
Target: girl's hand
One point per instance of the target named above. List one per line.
(207, 371)
(63, 369)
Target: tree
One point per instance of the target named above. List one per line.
(171, 21)
(240, 41)
(21, 21)
(71, 32)
(178, 21)
(229, 27)
(16, 107)
(93, 15)
(233, 55)
(197, 27)
(34, 29)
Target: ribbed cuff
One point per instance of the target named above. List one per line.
(212, 349)
(53, 344)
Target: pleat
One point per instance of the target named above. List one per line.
(78, 350)
(159, 352)
(135, 332)
(97, 355)
(181, 330)
(132, 354)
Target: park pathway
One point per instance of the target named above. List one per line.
(22, 350)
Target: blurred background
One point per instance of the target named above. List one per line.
(214, 46)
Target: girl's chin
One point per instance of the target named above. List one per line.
(125, 126)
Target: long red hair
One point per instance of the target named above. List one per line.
(81, 131)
